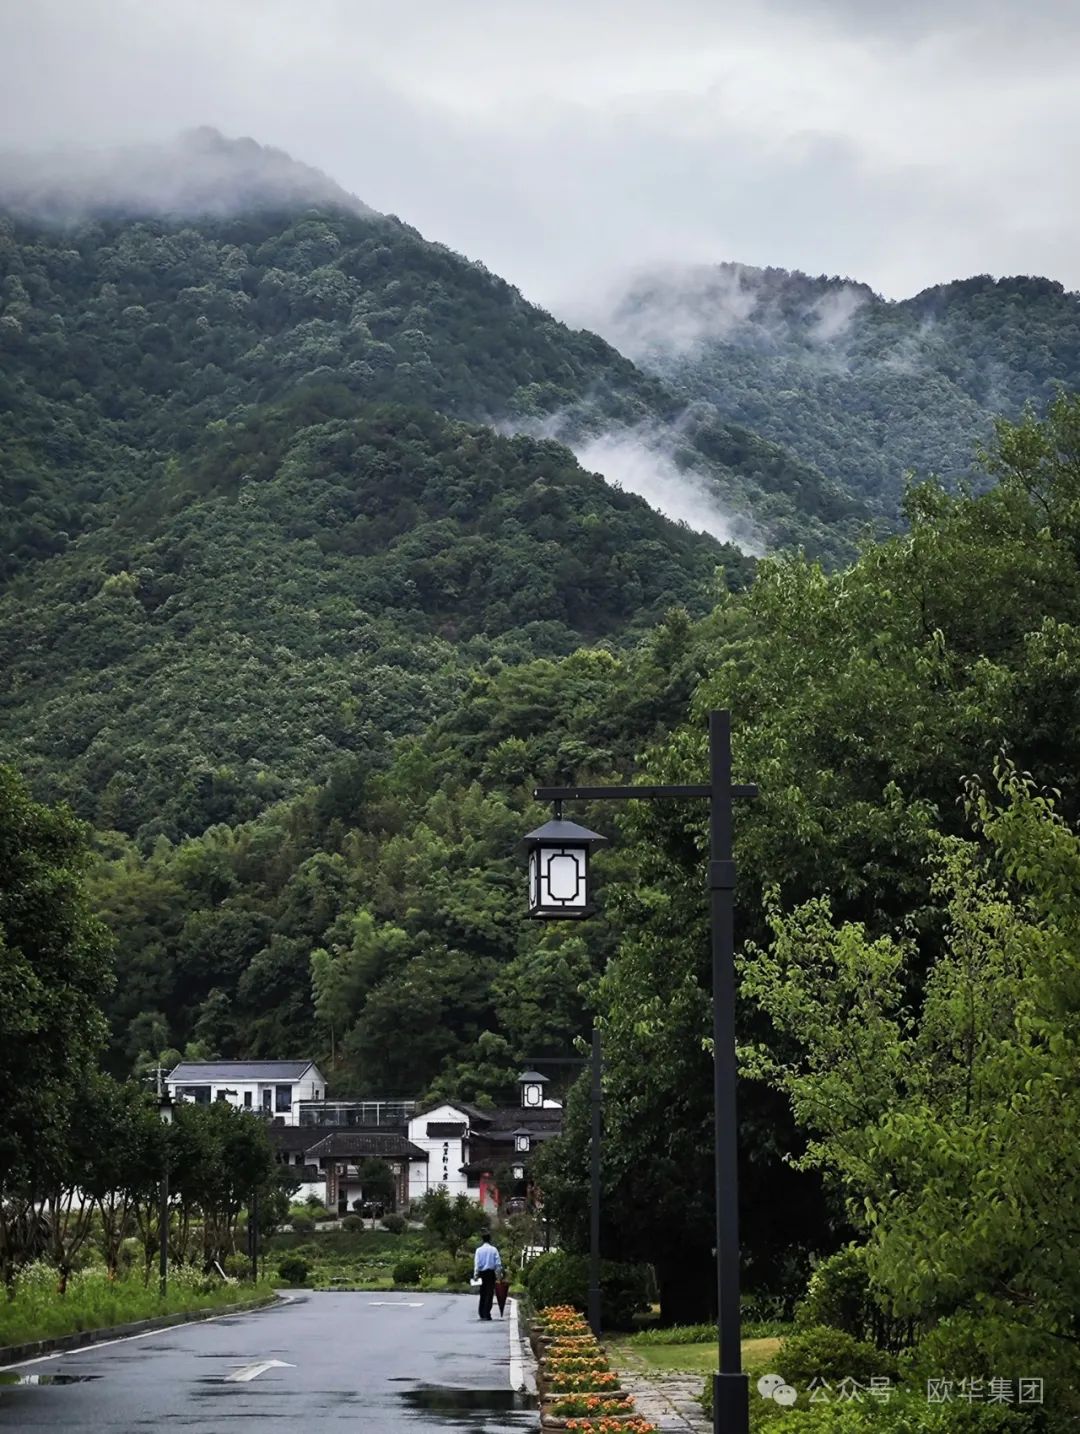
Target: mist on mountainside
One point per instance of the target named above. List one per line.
(677, 310)
(867, 390)
(199, 173)
(642, 460)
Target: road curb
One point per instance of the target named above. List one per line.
(18, 1353)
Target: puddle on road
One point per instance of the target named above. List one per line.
(470, 1408)
(47, 1378)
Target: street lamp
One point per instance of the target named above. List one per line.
(518, 1172)
(532, 1089)
(165, 1115)
(559, 868)
(561, 889)
(522, 1141)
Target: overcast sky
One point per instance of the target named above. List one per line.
(565, 142)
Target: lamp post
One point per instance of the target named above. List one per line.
(596, 1107)
(253, 1235)
(165, 1114)
(558, 887)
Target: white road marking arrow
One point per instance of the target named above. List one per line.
(252, 1371)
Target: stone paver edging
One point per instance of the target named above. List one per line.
(670, 1400)
(19, 1353)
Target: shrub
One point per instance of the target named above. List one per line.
(907, 1412)
(394, 1224)
(303, 1225)
(558, 1278)
(839, 1294)
(975, 1345)
(453, 1223)
(460, 1273)
(237, 1266)
(352, 1224)
(294, 1270)
(824, 1353)
(409, 1271)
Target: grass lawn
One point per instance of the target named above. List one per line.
(695, 1358)
(39, 1311)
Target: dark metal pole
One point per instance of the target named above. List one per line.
(731, 1413)
(253, 1232)
(596, 1098)
(163, 1231)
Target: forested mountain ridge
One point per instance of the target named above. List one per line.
(307, 586)
(863, 388)
(122, 336)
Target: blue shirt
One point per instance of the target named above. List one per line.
(487, 1258)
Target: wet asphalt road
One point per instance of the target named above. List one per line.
(415, 1362)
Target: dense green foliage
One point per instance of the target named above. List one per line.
(865, 390)
(390, 903)
(82, 1156)
(560, 1278)
(54, 968)
(123, 341)
(309, 591)
(861, 704)
(299, 635)
(95, 1301)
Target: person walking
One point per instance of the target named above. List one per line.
(485, 1263)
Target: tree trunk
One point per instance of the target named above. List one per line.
(687, 1289)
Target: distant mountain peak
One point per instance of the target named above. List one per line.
(199, 173)
(676, 308)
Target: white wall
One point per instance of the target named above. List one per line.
(418, 1179)
(311, 1087)
(446, 1154)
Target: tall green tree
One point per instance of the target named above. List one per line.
(949, 1120)
(54, 968)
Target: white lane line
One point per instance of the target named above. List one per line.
(517, 1364)
(146, 1334)
(396, 1304)
(252, 1371)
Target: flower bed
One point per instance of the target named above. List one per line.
(634, 1425)
(594, 1406)
(578, 1388)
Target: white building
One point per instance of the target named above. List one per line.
(273, 1088)
(471, 1151)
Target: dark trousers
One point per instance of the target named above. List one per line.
(487, 1292)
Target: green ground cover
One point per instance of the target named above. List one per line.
(698, 1357)
(93, 1301)
(367, 1260)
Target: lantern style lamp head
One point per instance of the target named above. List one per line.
(165, 1108)
(522, 1141)
(518, 1172)
(531, 1085)
(559, 869)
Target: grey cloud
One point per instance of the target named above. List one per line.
(198, 172)
(566, 144)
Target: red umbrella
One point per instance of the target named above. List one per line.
(502, 1289)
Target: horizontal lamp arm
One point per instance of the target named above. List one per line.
(632, 794)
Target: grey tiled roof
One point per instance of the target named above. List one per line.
(355, 1142)
(209, 1072)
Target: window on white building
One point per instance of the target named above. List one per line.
(283, 1097)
